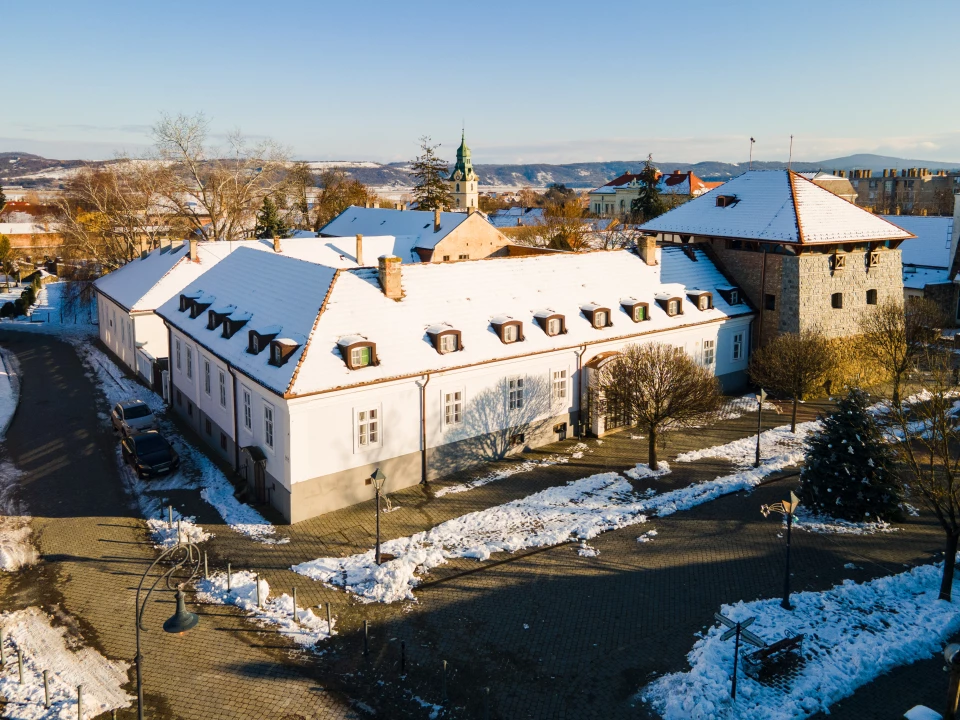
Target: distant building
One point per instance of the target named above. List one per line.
(614, 199)
(839, 185)
(804, 257)
(463, 179)
(911, 190)
(927, 260)
(516, 217)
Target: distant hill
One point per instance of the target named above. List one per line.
(35, 171)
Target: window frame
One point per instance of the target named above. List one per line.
(452, 407)
(189, 362)
(176, 344)
(347, 351)
(737, 348)
(591, 313)
(545, 318)
(223, 387)
(361, 428)
(561, 383)
(708, 348)
(500, 329)
(836, 300)
(515, 392)
(872, 296)
(206, 377)
(269, 425)
(247, 408)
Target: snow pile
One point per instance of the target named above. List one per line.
(586, 550)
(523, 467)
(853, 634)
(811, 522)
(778, 446)
(580, 510)
(276, 612)
(9, 390)
(647, 536)
(16, 550)
(643, 471)
(165, 535)
(48, 648)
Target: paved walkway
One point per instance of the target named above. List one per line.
(94, 550)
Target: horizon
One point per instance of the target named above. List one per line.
(542, 83)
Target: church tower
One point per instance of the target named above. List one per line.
(463, 180)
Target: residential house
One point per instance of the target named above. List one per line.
(909, 190)
(614, 199)
(35, 239)
(437, 236)
(309, 378)
(927, 262)
(805, 257)
(836, 182)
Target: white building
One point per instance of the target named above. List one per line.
(309, 378)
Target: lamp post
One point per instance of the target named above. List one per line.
(951, 653)
(761, 396)
(182, 558)
(787, 508)
(378, 480)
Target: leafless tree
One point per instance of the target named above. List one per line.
(794, 364)
(337, 193)
(929, 452)
(660, 387)
(217, 190)
(563, 226)
(897, 335)
(615, 235)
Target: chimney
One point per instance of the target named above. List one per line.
(436, 220)
(359, 249)
(376, 203)
(194, 256)
(276, 244)
(647, 247)
(398, 206)
(471, 210)
(390, 276)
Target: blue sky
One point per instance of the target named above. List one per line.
(533, 81)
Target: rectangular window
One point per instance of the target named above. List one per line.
(223, 389)
(738, 346)
(360, 357)
(368, 428)
(836, 301)
(704, 302)
(639, 313)
(463, 257)
(189, 408)
(769, 302)
(709, 352)
(189, 362)
(448, 343)
(600, 319)
(559, 385)
(247, 410)
(509, 333)
(871, 297)
(177, 346)
(516, 440)
(208, 426)
(515, 393)
(206, 376)
(453, 408)
(553, 326)
(268, 425)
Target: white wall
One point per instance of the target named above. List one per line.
(278, 456)
(151, 331)
(117, 330)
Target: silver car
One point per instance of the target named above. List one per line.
(133, 416)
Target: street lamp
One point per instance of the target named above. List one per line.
(951, 653)
(787, 508)
(183, 558)
(378, 480)
(761, 396)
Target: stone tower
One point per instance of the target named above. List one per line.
(463, 180)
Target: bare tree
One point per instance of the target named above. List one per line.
(337, 193)
(660, 387)
(794, 364)
(898, 334)
(615, 236)
(564, 227)
(217, 190)
(929, 453)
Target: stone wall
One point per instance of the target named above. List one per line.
(747, 270)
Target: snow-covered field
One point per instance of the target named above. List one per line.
(274, 612)
(46, 647)
(853, 633)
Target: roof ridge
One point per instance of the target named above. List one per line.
(796, 209)
(316, 322)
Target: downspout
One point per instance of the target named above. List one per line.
(579, 353)
(170, 364)
(236, 428)
(423, 430)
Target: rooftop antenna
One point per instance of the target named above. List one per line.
(790, 159)
(752, 141)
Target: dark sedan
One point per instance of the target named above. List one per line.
(149, 454)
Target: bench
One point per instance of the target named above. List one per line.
(770, 656)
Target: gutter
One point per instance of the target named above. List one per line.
(423, 430)
(236, 430)
(580, 353)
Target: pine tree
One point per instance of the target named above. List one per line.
(432, 191)
(648, 204)
(269, 222)
(848, 469)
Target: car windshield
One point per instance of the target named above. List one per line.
(136, 411)
(150, 444)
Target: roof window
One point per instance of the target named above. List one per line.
(638, 311)
(731, 294)
(357, 351)
(200, 305)
(258, 339)
(727, 200)
(671, 304)
(701, 298)
(187, 300)
(598, 316)
(507, 329)
(551, 323)
(281, 349)
(233, 323)
(444, 339)
(216, 316)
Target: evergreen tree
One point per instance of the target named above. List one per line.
(269, 222)
(3, 198)
(432, 190)
(848, 469)
(648, 204)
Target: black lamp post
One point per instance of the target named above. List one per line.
(184, 560)
(787, 508)
(378, 480)
(761, 396)
(951, 653)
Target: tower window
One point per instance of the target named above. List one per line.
(871, 297)
(836, 301)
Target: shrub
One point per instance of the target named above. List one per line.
(7, 309)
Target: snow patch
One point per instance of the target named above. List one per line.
(647, 536)
(523, 467)
(16, 550)
(777, 445)
(811, 522)
(587, 550)
(643, 471)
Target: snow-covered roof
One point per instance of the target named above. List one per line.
(24, 228)
(514, 216)
(918, 277)
(675, 183)
(931, 248)
(779, 206)
(281, 294)
(384, 221)
(470, 295)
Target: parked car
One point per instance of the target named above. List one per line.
(132, 416)
(149, 454)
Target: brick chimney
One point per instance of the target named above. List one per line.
(471, 210)
(647, 247)
(376, 204)
(359, 249)
(436, 220)
(194, 254)
(390, 276)
(276, 244)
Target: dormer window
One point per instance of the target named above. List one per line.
(673, 307)
(730, 294)
(726, 200)
(233, 323)
(508, 329)
(281, 349)
(638, 311)
(701, 298)
(187, 300)
(200, 306)
(216, 316)
(554, 326)
(551, 323)
(671, 304)
(444, 338)
(259, 339)
(357, 351)
(599, 317)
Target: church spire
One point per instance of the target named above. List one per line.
(463, 179)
